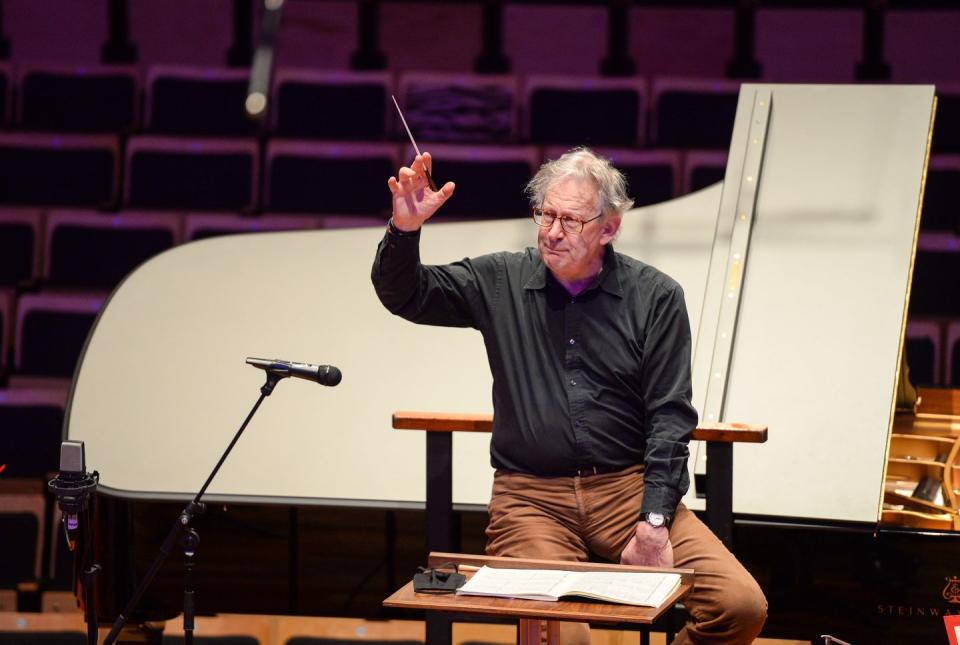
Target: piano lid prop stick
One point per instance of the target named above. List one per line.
(426, 172)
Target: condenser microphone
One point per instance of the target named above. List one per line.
(72, 487)
(322, 374)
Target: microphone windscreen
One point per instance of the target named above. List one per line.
(330, 375)
(72, 456)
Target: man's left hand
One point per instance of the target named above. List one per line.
(649, 547)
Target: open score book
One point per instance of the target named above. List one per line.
(644, 589)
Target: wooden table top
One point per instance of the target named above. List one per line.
(572, 610)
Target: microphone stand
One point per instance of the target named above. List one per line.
(182, 532)
(77, 501)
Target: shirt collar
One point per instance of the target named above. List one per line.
(608, 280)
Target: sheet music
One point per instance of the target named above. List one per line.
(649, 589)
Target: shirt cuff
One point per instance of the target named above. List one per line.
(393, 230)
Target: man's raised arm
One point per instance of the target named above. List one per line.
(435, 295)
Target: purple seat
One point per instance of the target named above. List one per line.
(193, 101)
(31, 421)
(953, 354)
(5, 94)
(192, 174)
(941, 196)
(97, 250)
(7, 297)
(51, 332)
(59, 170)
(585, 110)
(690, 113)
(333, 106)
(20, 240)
(343, 178)
(924, 351)
(458, 108)
(702, 168)
(78, 99)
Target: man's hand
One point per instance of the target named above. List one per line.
(649, 547)
(413, 201)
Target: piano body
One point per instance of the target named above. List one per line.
(796, 271)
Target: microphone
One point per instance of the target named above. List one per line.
(73, 487)
(322, 374)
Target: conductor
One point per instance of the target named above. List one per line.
(590, 355)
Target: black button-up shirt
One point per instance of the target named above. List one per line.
(597, 379)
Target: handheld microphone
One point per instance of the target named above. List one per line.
(323, 374)
(72, 487)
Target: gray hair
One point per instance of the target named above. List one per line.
(583, 163)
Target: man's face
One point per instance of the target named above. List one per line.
(571, 256)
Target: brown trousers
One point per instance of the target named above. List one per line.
(569, 518)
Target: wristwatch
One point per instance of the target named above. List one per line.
(656, 520)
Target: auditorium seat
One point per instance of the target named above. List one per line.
(458, 108)
(59, 170)
(97, 250)
(331, 105)
(200, 226)
(20, 235)
(77, 99)
(490, 179)
(941, 199)
(7, 299)
(946, 125)
(198, 101)
(693, 113)
(31, 427)
(936, 289)
(702, 168)
(22, 525)
(6, 94)
(585, 110)
(924, 351)
(323, 177)
(953, 354)
(191, 174)
(51, 332)
(653, 176)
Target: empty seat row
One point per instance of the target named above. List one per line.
(933, 351)
(358, 106)
(300, 176)
(89, 249)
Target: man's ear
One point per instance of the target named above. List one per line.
(611, 225)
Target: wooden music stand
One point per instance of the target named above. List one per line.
(532, 613)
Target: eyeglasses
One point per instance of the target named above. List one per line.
(545, 218)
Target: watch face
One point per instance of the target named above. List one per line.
(656, 519)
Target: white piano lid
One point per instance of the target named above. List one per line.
(823, 305)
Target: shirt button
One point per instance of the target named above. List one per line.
(573, 382)
(573, 342)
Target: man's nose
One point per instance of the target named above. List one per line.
(556, 230)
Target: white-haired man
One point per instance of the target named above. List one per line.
(590, 355)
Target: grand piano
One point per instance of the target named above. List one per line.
(796, 269)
